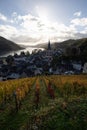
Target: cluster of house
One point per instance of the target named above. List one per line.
(40, 63)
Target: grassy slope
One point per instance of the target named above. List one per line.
(67, 111)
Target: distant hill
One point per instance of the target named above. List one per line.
(81, 43)
(7, 46)
(69, 44)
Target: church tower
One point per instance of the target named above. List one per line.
(49, 52)
(49, 46)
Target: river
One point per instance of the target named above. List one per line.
(30, 49)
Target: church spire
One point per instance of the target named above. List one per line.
(49, 46)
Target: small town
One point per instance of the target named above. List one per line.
(46, 62)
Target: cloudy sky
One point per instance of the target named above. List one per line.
(36, 21)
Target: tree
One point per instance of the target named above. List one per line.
(15, 55)
(56, 61)
(72, 51)
(34, 51)
(10, 59)
(22, 53)
(27, 53)
(39, 51)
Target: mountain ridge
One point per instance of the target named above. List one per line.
(7, 46)
(65, 44)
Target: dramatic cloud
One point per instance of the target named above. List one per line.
(7, 31)
(77, 13)
(79, 21)
(28, 29)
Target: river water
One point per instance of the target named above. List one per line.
(30, 49)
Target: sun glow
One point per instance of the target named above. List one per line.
(42, 13)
